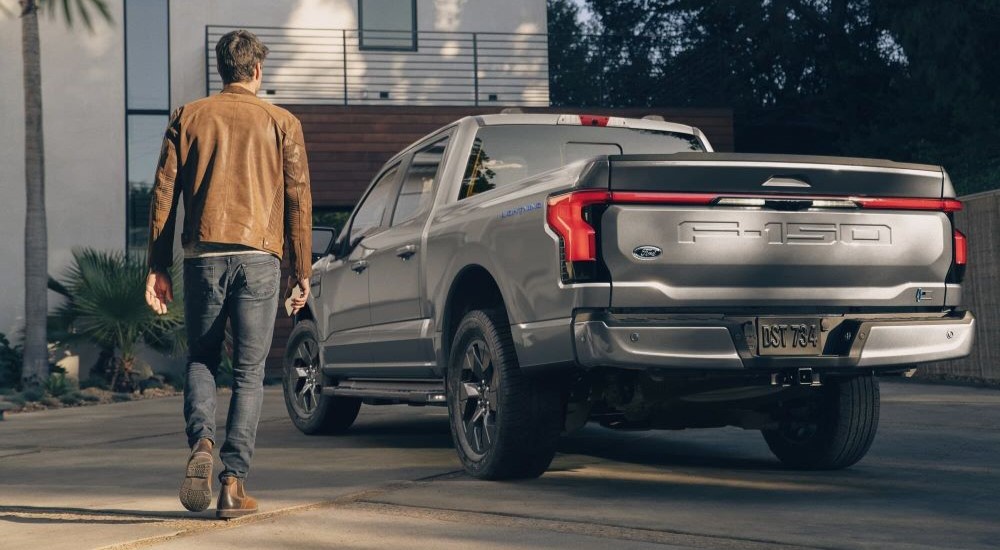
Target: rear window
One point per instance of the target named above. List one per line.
(504, 155)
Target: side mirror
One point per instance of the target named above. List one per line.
(322, 241)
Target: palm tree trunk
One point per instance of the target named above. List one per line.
(36, 355)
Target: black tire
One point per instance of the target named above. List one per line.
(519, 417)
(303, 381)
(833, 430)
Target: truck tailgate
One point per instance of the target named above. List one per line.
(732, 257)
(773, 232)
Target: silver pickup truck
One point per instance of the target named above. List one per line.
(535, 272)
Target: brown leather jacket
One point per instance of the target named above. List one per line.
(240, 164)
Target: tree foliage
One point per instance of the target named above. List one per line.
(911, 80)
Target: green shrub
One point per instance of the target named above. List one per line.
(16, 398)
(89, 395)
(11, 360)
(106, 306)
(71, 398)
(51, 402)
(58, 384)
(224, 376)
(33, 394)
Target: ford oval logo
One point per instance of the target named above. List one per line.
(646, 252)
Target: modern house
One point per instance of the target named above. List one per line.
(366, 77)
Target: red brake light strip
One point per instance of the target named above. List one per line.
(875, 203)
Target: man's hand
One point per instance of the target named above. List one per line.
(159, 291)
(300, 302)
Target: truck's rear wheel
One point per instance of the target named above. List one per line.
(832, 430)
(303, 381)
(504, 424)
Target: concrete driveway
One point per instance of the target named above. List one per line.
(107, 477)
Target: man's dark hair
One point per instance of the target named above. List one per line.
(236, 54)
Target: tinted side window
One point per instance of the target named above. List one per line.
(506, 154)
(418, 187)
(371, 211)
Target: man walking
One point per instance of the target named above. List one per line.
(239, 165)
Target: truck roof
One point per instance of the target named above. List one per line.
(585, 120)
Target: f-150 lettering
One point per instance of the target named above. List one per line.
(788, 232)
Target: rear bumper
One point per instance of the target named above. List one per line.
(720, 342)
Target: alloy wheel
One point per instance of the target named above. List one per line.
(478, 397)
(305, 378)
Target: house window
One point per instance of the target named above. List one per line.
(147, 107)
(388, 24)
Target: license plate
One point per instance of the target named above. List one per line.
(777, 336)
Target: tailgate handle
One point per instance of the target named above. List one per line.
(785, 181)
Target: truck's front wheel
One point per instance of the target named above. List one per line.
(303, 381)
(831, 430)
(504, 424)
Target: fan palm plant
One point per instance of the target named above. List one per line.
(105, 305)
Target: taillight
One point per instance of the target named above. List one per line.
(961, 249)
(892, 203)
(566, 217)
(960, 257)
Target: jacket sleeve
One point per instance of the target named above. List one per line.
(165, 200)
(298, 202)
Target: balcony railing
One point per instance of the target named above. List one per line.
(448, 68)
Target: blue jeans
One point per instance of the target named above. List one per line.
(242, 288)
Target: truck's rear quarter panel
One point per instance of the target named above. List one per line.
(506, 235)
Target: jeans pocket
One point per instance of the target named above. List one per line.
(261, 279)
(199, 281)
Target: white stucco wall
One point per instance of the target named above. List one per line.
(83, 109)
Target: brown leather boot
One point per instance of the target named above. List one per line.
(196, 489)
(234, 500)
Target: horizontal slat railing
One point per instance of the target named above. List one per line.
(328, 66)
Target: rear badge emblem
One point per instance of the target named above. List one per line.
(646, 252)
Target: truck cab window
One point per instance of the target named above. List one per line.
(370, 213)
(418, 186)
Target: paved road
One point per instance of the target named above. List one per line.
(107, 476)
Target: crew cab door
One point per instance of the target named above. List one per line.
(345, 281)
(400, 333)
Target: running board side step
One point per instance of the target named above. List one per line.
(421, 392)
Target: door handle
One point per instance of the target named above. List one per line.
(406, 252)
(359, 266)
